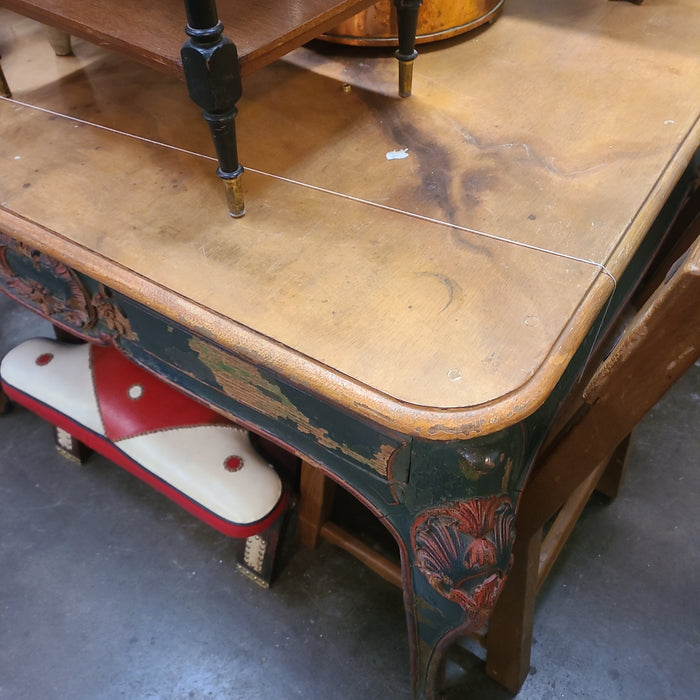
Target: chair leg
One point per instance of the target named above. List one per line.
(509, 636)
(611, 480)
(510, 626)
(315, 503)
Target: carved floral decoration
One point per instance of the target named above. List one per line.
(111, 315)
(65, 300)
(73, 308)
(464, 550)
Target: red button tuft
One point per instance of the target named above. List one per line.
(233, 463)
(44, 359)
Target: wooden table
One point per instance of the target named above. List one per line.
(416, 284)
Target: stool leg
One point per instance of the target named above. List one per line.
(407, 19)
(257, 554)
(4, 403)
(70, 447)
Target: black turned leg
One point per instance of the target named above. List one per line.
(407, 18)
(213, 75)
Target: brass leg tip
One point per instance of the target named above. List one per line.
(405, 78)
(234, 197)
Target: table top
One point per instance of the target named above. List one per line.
(153, 32)
(431, 263)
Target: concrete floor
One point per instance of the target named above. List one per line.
(108, 590)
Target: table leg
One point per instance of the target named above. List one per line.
(213, 75)
(454, 559)
(453, 521)
(407, 19)
(60, 41)
(454, 563)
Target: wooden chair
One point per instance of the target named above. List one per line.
(588, 452)
(660, 343)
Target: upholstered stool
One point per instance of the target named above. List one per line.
(97, 398)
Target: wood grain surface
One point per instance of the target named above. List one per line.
(154, 31)
(443, 292)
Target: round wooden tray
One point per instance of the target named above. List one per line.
(438, 19)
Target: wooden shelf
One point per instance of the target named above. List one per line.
(153, 32)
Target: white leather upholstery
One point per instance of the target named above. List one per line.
(213, 465)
